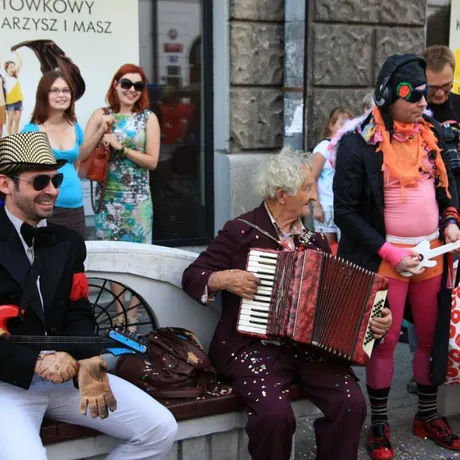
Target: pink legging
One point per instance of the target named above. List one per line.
(423, 300)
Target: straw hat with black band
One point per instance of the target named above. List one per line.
(26, 152)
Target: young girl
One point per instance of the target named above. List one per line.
(323, 175)
(14, 96)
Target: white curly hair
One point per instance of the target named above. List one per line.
(284, 171)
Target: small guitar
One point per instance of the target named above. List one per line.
(427, 254)
(116, 342)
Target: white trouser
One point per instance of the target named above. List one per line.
(146, 428)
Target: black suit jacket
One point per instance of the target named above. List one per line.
(60, 260)
(359, 199)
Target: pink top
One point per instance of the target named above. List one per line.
(415, 214)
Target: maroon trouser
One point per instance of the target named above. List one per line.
(260, 375)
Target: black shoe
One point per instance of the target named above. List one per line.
(411, 386)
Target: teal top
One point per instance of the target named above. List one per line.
(70, 194)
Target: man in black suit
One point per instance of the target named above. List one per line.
(42, 272)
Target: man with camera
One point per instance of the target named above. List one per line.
(444, 104)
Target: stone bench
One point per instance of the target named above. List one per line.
(211, 427)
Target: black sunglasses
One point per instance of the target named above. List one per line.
(405, 91)
(42, 181)
(126, 83)
(417, 94)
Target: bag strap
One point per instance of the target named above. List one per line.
(101, 199)
(259, 230)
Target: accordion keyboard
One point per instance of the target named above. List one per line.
(254, 313)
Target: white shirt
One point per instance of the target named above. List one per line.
(326, 177)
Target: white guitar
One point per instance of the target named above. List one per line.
(427, 254)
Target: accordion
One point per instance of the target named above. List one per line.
(313, 298)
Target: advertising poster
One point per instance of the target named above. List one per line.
(454, 42)
(86, 39)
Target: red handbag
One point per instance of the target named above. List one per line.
(95, 167)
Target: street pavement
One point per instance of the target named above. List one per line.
(402, 407)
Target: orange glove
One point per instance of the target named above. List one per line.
(95, 388)
(57, 367)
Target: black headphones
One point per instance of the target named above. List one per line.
(382, 94)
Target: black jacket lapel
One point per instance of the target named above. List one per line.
(54, 259)
(373, 161)
(12, 254)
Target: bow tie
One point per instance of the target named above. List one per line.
(36, 236)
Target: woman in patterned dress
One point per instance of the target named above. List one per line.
(127, 211)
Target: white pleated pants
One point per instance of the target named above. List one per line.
(146, 429)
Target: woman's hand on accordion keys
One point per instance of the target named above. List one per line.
(238, 282)
(380, 326)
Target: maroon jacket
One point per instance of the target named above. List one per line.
(230, 250)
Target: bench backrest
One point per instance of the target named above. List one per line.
(155, 273)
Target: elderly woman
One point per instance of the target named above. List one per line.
(261, 371)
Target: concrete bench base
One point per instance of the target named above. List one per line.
(219, 437)
(155, 274)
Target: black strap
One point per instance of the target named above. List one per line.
(457, 274)
(437, 128)
(97, 210)
(260, 230)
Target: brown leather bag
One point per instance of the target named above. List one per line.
(175, 366)
(95, 167)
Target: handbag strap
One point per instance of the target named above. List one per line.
(101, 198)
(97, 210)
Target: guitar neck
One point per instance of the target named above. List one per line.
(65, 343)
(443, 249)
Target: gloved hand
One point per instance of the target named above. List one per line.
(95, 388)
(57, 367)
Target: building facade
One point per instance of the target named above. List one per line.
(231, 81)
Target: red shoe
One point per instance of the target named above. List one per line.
(438, 430)
(379, 444)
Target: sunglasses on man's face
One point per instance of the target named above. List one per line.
(126, 83)
(406, 92)
(42, 181)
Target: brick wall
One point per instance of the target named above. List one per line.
(348, 42)
(256, 74)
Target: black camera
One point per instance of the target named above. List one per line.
(451, 139)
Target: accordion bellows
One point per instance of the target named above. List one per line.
(314, 298)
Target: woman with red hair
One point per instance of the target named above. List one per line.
(126, 213)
